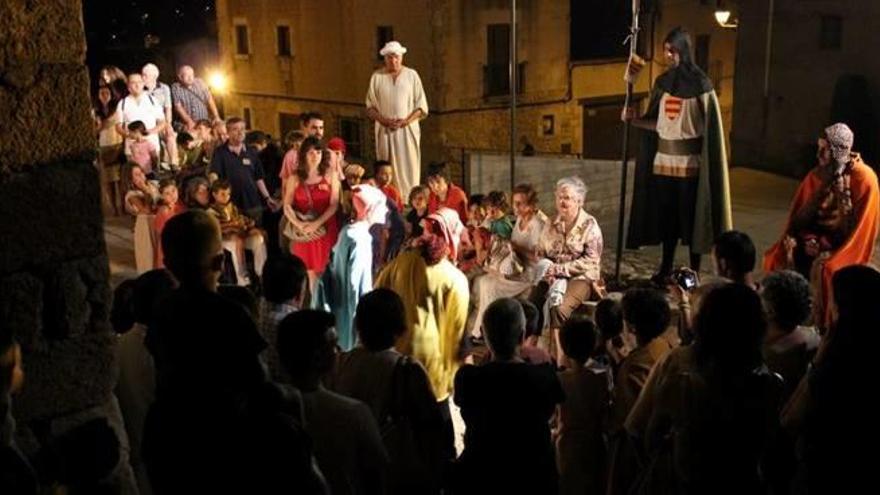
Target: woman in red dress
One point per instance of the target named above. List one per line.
(310, 205)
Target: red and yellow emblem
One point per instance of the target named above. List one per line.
(672, 107)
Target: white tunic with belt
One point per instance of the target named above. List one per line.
(398, 100)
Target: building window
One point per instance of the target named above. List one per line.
(596, 29)
(384, 34)
(246, 115)
(282, 33)
(350, 132)
(242, 40)
(831, 34)
(496, 72)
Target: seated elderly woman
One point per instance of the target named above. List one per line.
(571, 245)
(530, 222)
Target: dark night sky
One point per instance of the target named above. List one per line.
(117, 34)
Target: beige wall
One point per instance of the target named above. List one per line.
(700, 20)
(334, 53)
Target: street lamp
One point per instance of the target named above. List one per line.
(218, 81)
(723, 19)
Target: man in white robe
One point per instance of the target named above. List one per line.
(396, 102)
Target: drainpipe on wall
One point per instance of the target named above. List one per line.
(765, 107)
(513, 90)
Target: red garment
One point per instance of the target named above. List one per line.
(394, 195)
(162, 216)
(858, 248)
(315, 254)
(456, 199)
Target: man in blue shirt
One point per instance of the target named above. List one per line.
(241, 166)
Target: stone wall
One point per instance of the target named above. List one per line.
(54, 292)
(487, 172)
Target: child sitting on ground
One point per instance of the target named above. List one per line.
(169, 205)
(492, 240)
(239, 233)
(383, 173)
(467, 256)
(189, 151)
(418, 203)
(476, 210)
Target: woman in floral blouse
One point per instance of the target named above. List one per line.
(571, 245)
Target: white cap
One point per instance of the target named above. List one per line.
(392, 47)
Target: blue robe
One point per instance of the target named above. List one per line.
(348, 276)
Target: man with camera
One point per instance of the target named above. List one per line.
(734, 261)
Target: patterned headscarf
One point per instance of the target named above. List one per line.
(451, 228)
(369, 204)
(840, 139)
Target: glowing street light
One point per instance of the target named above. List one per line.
(218, 81)
(723, 19)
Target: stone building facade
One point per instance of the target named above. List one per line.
(820, 69)
(286, 57)
(54, 291)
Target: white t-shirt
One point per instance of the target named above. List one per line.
(146, 109)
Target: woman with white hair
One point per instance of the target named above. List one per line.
(572, 247)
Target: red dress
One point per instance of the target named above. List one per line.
(315, 254)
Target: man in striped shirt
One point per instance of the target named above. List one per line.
(192, 100)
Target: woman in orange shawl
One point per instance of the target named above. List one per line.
(833, 220)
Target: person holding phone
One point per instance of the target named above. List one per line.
(734, 258)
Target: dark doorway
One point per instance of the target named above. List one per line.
(603, 130)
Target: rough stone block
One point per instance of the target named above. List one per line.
(66, 312)
(122, 480)
(67, 376)
(21, 308)
(43, 31)
(55, 214)
(95, 273)
(44, 115)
